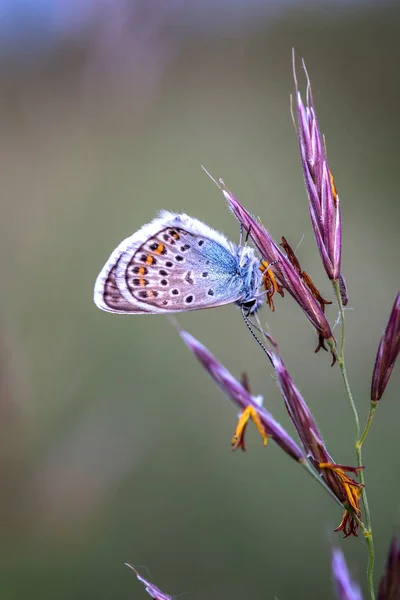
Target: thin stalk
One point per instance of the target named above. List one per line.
(368, 424)
(358, 445)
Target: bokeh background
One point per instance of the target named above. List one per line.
(114, 443)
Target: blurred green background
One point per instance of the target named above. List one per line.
(115, 444)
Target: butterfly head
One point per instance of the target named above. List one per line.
(249, 272)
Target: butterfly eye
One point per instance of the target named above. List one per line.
(249, 305)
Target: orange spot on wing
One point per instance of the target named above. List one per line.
(175, 235)
(160, 249)
(149, 259)
(142, 282)
(142, 270)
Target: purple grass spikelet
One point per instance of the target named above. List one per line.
(242, 398)
(346, 489)
(388, 351)
(346, 588)
(324, 204)
(151, 589)
(389, 586)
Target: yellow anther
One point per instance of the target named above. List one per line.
(249, 413)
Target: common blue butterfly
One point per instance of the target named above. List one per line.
(176, 263)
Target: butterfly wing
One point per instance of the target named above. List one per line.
(107, 295)
(173, 264)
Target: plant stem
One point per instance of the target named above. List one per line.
(368, 424)
(368, 531)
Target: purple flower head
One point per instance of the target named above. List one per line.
(388, 351)
(346, 588)
(151, 589)
(324, 205)
(285, 273)
(241, 397)
(389, 587)
(346, 490)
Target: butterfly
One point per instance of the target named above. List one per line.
(176, 263)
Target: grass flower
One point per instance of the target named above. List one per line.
(388, 351)
(346, 588)
(389, 587)
(249, 405)
(151, 589)
(344, 488)
(283, 271)
(324, 205)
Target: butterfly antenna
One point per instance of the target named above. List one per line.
(250, 326)
(259, 328)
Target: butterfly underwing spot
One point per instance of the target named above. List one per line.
(201, 242)
(188, 278)
(179, 258)
(210, 292)
(189, 299)
(164, 282)
(139, 270)
(205, 274)
(168, 263)
(185, 247)
(112, 297)
(155, 246)
(163, 273)
(142, 282)
(143, 294)
(164, 302)
(175, 292)
(150, 260)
